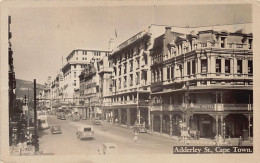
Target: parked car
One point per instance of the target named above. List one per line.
(63, 117)
(109, 148)
(58, 116)
(56, 129)
(85, 132)
(96, 121)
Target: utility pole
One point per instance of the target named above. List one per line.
(35, 121)
(28, 115)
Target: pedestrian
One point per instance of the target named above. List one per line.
(135, 136)
(229, 141)
(240, 141)
(20, 147)
(116, 120)
(220, 140)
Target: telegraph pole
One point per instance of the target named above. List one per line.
(35, 120)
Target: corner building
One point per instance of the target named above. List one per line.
(202, 79)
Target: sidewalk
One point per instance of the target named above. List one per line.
(14, 151)
(201, 141)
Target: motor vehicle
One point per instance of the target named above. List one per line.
(139, 128)
(85, 132)
(109, 148)
(56, 129)
(63, 117)
(96, 121)
(58, 116)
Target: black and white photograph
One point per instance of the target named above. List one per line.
(127, 80)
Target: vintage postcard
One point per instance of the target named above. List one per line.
(116, 81)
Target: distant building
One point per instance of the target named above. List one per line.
(76, 62)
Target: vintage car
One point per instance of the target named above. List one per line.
(56, 129)
(96, 121)
(139, 128)
(85, 132)
(58, 116)
(109, 148)
(63, 117)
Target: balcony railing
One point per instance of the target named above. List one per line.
(231, 107)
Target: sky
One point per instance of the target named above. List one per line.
(42, 36)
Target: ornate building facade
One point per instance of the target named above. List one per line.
(203, 79)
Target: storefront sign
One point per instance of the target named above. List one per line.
(203, 107)
(132, 39)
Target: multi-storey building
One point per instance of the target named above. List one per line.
(130, 93)
(47, 93)
(76, 62)
(202, 79)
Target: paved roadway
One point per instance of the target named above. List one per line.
(68, 144)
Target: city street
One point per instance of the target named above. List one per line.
(68, 143)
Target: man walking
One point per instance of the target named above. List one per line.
(135, 136)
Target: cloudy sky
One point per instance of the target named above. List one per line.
(43, 35)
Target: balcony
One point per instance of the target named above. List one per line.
(240, 107)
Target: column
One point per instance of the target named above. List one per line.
(216, 125)
(164, 73)
(198, 65)
(128, 116)
(235, 65)
(151, 129)
(231, 66)
(249, 124)
(208, 64)
(138, 115)
(170, 102)
(221, 120)
(185, 68)
(245, 66)
(113, 115)
(222, 65)
(170, 125)
(119, 116)
(161, 123)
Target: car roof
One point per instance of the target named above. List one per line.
(109, 144)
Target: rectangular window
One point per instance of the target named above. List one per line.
(125, 70)
(131, 66)
(250, 41)
(222, 42)
(172, 72)
(239, 66)
(204, 66)
(125, 81)
(188, 68)
(193, 67)
(119, 83)
(218, 65)
(250, 67)
(131, 80)
(227, 66)
(74, 66)
(168, 73)
(180, 67)
(75, 74)
(137, 78)
(75, 83)
(138, 63)
(119, 70)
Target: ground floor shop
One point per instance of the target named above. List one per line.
(208, 125)
(127, 115)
